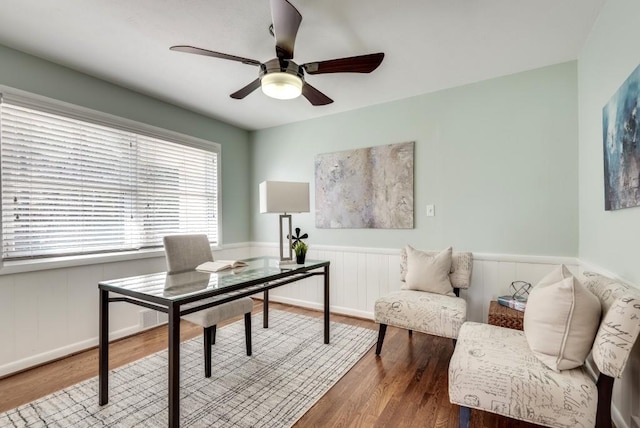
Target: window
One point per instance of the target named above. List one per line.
(76, 183)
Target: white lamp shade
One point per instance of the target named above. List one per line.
(284, 197)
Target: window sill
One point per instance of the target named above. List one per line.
(73, 261)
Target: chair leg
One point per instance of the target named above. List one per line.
(381, 332)
(465, 417)
(603, 413)
(207, 350)
(213, 334)
(247, 331)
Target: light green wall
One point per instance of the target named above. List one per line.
(497, 158)
(608, 239)
(28, 73)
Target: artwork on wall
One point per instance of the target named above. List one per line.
(365, 188)
(621, 142)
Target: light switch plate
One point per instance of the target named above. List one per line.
(431, 210)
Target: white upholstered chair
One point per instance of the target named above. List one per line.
(431, 313)
(493, 368)
(185, 252)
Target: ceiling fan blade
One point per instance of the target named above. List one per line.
(286, 21)
(238, 95)
(354, 64)
(205, 52)
(314, 96)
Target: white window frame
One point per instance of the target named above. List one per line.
(53, 106)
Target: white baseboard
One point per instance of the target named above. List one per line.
(617, 418)
(318, 306)
(64, 351)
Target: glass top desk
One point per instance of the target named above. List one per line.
(184, 293)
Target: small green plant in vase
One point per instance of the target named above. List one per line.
(301, 251)
(298, 246)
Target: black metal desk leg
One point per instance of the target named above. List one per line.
(265, 309)
(103, 349)
(174, 366)
(326, 304)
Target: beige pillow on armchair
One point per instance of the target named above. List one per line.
(429, 273)
(561, 320)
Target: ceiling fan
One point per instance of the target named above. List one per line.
(281, 77)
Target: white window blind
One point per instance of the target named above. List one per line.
(72, 186)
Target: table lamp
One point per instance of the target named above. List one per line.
(284, 197)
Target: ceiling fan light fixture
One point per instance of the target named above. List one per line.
(281, 77)
(281, 85)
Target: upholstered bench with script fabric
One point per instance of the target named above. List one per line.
(427, 312)
(494, 369)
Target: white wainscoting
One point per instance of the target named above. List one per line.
(360, 275)
(50, 313)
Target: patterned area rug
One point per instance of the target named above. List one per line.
(289, 371)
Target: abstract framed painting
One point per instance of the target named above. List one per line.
(368, 188)
(621, 144)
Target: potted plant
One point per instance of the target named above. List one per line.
(301, 251)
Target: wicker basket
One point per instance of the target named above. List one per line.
(505, 317)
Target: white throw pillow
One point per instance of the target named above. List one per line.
(428, 273)
(561, 320)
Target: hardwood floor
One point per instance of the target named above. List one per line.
(405, 387)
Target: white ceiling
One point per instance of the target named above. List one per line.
(428, 45)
